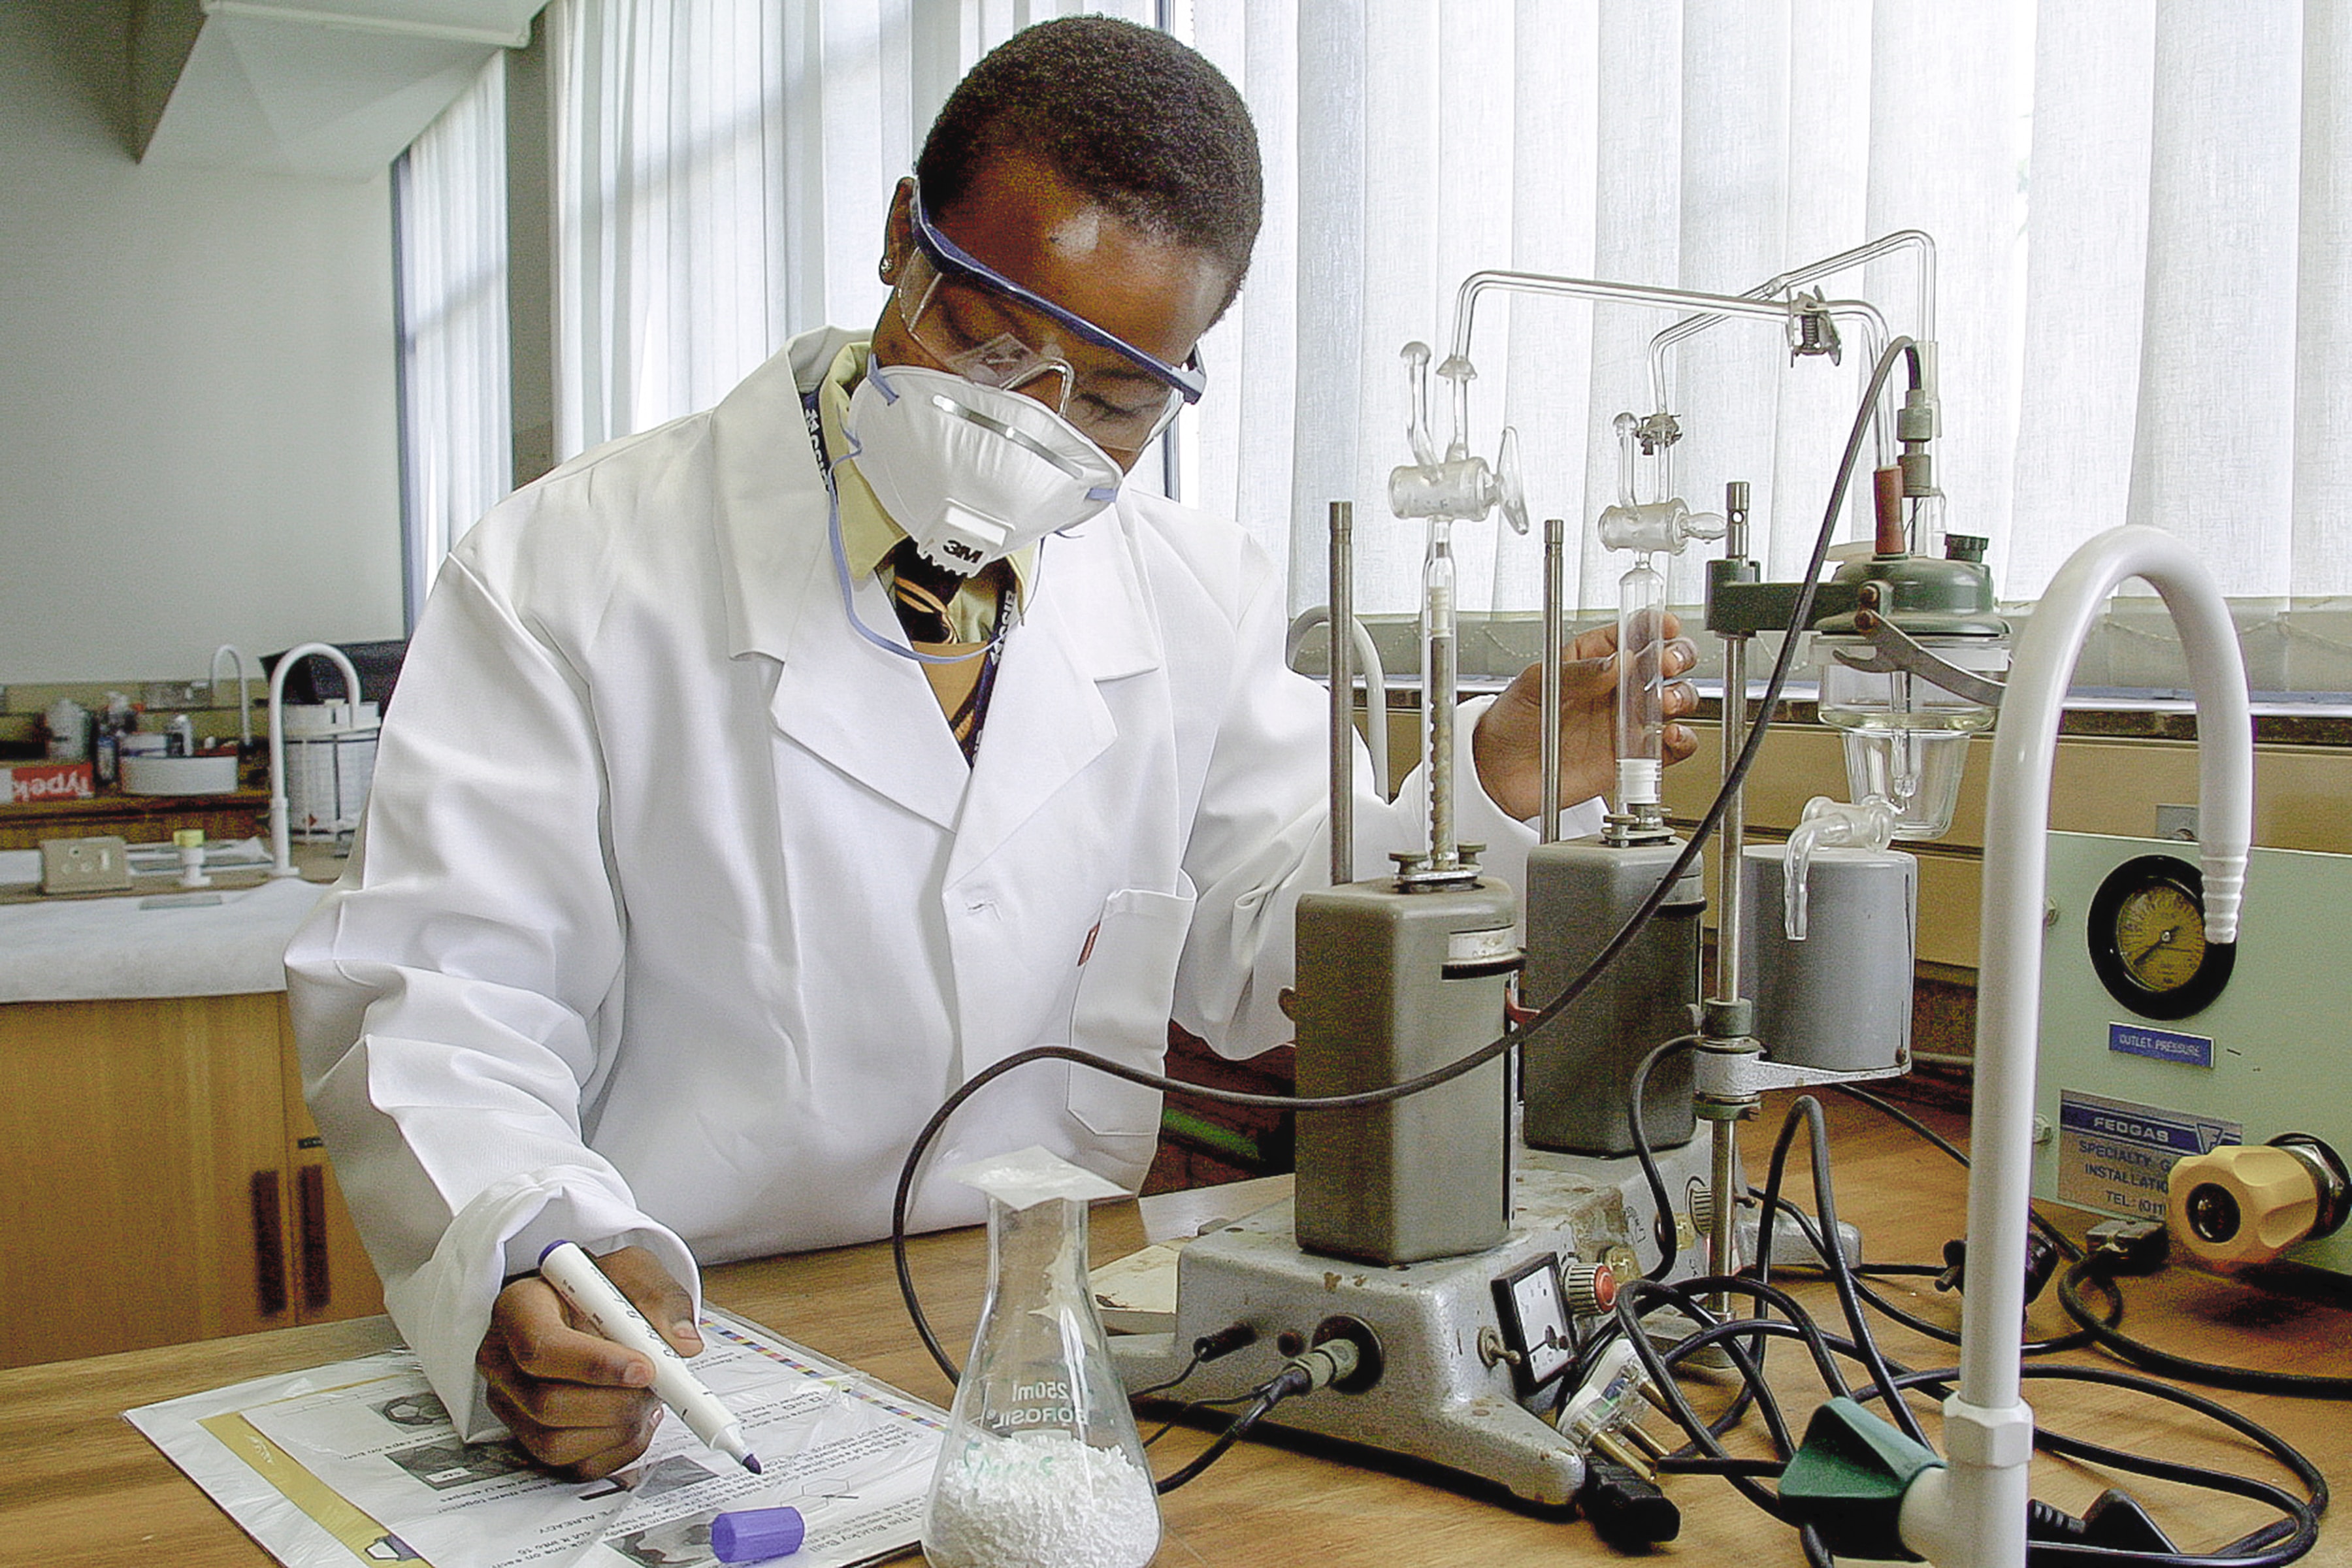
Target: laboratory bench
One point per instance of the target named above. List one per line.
(83, 1482)
(161, 1180)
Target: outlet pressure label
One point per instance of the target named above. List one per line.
(2115, 1156)
(2160, 1045)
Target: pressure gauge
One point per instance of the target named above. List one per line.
(2148, 939)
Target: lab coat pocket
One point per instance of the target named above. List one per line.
(1126, 984)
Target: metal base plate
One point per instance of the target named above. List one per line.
(1441, 1398)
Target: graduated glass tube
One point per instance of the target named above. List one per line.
(1640, 685)
(1439, 670)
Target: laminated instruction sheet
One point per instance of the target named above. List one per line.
(358, 1462)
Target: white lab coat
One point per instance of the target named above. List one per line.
(676, 911)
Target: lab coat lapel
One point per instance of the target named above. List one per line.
(866, 711)
(1086, 625)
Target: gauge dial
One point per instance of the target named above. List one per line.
(2148, 939)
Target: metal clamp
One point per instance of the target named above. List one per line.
(1894, 650)
(1659, 431)
(1812, 330)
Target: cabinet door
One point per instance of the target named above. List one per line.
(143, 1181)
(330, 1277)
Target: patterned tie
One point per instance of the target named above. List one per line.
(920, 592)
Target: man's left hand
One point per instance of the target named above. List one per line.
(1508, 741)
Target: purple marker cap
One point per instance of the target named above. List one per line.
(756, 1535)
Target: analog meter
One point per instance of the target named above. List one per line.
(2148, 939)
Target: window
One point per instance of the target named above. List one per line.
(450, 241)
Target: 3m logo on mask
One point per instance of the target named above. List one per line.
(969, 555)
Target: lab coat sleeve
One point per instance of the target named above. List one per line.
(456, 996)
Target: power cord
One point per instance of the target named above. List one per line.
(1333, 1361)
(2122, 1248)
(1662, 1229)
(1924, 1327)
(1895, 1113)
(1206, 1349)
(1192, 1407)
(1841, 1275)
(2279, 1542)
(2061, 1541)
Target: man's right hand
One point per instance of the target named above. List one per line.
(576, 1402)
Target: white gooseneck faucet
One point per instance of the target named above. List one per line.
(1972, 1514)
(244, 696)
(281, 853)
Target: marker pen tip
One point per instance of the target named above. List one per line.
(751, 1463)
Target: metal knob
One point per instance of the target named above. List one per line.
(2240, 1205)
(1590, 1289)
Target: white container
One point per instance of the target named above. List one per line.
(330, 761)
(154, 774)
(68, 725)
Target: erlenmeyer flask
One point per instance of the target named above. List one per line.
(1041, 1466)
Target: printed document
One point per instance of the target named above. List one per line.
(359, 1463)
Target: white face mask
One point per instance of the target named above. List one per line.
(972, 473)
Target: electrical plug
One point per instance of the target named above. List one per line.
(2115, 1522)
(2041, 1263)
(1334, 1361)
(1606, 1400)
(2125, 1247)
(1627, 1511)
(1225, 1341)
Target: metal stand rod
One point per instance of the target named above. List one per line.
(1343, 694)
(1554, 574)
(1724, 1177)
(1724, 1180)
(1732, 832)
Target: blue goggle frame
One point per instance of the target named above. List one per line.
(1190, 379)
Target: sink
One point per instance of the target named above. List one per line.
(180, 776)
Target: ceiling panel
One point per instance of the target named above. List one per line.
(334, 88)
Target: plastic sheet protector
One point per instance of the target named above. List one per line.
(358, 1463)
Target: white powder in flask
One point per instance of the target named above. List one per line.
(1042, 1501)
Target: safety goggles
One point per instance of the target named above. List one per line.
(986, 328)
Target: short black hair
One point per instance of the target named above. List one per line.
(1124, 113)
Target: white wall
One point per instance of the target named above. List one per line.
(199, 437)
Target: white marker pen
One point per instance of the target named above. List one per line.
(595, 1297)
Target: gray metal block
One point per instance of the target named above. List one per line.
(1577, 1070)
(1383, 995)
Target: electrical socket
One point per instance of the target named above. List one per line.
(84, 865)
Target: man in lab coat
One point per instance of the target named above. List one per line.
(717, 834)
